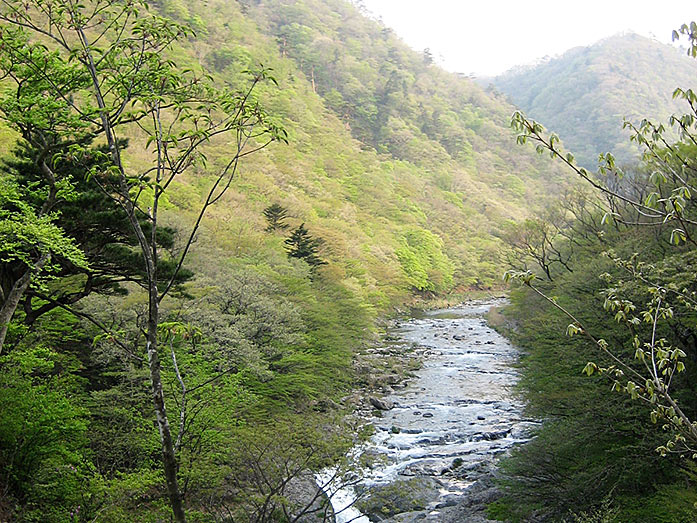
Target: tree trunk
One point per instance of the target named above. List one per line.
(149, 251)
(169, 458)
(15, 295)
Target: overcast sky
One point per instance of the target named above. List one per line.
(487, 37)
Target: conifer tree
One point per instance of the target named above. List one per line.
(275, 215)
(301, 245)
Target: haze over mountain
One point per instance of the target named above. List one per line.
(584, 94)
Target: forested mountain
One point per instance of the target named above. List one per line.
(195, 247)
(403, 149)
(155, 359)
(584, 94)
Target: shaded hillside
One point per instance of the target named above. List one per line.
(584, 94)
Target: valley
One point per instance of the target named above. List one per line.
(246, 244)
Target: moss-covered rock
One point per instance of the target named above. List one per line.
(408, 495)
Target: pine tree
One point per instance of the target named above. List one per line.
(275, 214)
(301, 245)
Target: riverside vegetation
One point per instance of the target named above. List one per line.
(613, 268)
(169, 350)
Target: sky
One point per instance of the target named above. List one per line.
(488, 37)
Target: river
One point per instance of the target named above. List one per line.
(435, 450)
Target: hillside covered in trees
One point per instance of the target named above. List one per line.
(195, 245)
(208, 210)
(585, 94)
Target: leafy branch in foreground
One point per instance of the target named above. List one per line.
(690, 31)
(649, 382)
(660, 198)
(28, 241)
(672, 181)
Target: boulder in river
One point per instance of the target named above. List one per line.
(409, 517)
(305, 501)
(380, 404)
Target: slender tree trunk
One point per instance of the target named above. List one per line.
(169, 458)
(15, 295)
(149, 251)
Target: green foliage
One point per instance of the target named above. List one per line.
(604, 514)
(615, 269)
(399, 167)
(23, 233)
(447, 166)
(690, 31)
(422, 259)
(43, 435)
(275, 215)
(303, 246)
(593, 444)
(263, 466)
(94, 225)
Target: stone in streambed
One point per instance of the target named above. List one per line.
(306, 500)
(408, 517)
(380, 404)
(449, 500)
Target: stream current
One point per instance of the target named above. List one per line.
(452, 419)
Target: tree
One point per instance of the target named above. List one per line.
(100, 69)
(96, 224)
(28, 241)
(663, 199)
(303, 246)
(275, 214)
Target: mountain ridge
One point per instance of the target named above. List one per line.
(584, 94)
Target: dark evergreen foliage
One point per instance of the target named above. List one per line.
(275, 215)
(301, 245)
(94, 220)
